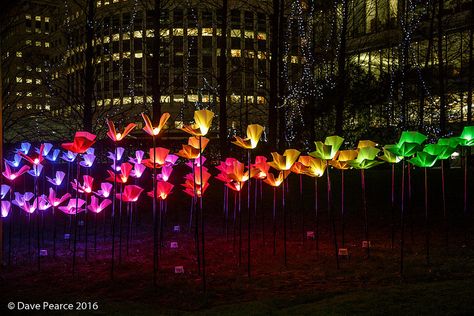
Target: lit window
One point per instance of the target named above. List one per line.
(115, 1)
(29, 80)
(19, 106)
(207, 31)
(28, 67)
(28, 42)
(178, 32)
(106, 39)
(115, 37)
(261, 36)
(37, 30)
(126, 36)
(149, 33)
(46, 44)
(28, 17)
(28, 106)
(29, 94)
(46, 18)
(47, 107)
(192, 32)
(235, 33)
(38, 18)
(126, 54)
(139, 55)
(127, 100)
(38, 81)
(235, 52)
(38, 44)
(248, 34)
(116, 56)
(99, 3)
(137, 34)
(19, 54)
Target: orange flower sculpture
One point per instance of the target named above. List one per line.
(154, 130)
(157, 157)
(259, 169)
(272, 181)
(315, 166)
(116, 137)
(191, 150)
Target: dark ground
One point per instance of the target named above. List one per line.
(310, 284)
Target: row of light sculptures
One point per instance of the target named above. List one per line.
(232, 172)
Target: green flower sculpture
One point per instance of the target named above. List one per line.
(408, 144)
(441, 152)
(467, 136)
(390, 157)
(423, 160)
(329, 149)
(366, 158)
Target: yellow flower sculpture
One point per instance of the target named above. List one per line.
(342, 157)
(284, 162)
(254, 131)
(315, 166)
(202, 123)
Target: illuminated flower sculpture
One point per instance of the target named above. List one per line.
(392, 159)
(443, 150)
(254, 132)
(275, 182)
(112, 132)
(284, 163)
(408, 144)
(200, 127)
(163, 189)
(425, 160)
(86, 189)
(54, 201)
(116, 137)
(341, 162)
(327, 151)
(366, 159)
(315, 168)
(96, 208)
(12, 176)
(81, 143)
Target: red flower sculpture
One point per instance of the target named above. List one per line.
(163, 189)
(130, 193)
(36, 159)
(82, 142)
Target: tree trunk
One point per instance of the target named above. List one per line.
(405, 42)
(471, 67)
(155, 64)
(421, 113)
(282, 83)
(441, 71)
(224, 146)
(275, 57)
(341, 72)
(89, 68)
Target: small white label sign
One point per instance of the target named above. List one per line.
(176, 229)
(179, 269)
